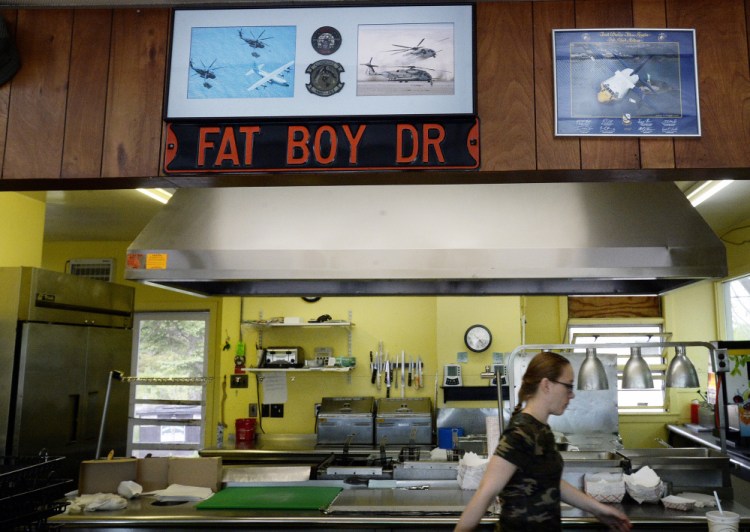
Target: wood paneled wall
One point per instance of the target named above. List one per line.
(87, 102)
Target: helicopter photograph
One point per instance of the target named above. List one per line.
(400, 75)
(207, 72)
(418, 51)
(241, 74)
(253, 41)
(235, 62)
(389, 66)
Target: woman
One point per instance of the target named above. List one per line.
(526, 469)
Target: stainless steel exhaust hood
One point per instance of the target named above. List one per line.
(561, 238)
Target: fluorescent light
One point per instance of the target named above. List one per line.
(159, 194)
(706, 189)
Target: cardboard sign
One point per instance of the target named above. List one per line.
(345, 145)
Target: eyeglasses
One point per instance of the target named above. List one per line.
(570, 387)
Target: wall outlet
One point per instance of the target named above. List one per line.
(238, 381)
(720, 360)
(252, 410)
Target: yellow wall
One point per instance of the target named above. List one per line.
(737, 242)
(57, 254)
(545, 318)
(21, 228)
(431, 327)
(147, 298)
(427, 327)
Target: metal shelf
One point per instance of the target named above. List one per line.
(473, 393)
(298, 370)
(270, 324)
(261, 325)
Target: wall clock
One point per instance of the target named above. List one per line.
(478, 338)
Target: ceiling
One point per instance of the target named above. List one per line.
(99, 215)
(120, 215)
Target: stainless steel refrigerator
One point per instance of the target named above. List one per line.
(60, 337)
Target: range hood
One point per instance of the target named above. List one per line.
(479, 239)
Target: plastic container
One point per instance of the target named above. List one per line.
(446, 439)
(244, 431)
(694, 409)
(723, 521)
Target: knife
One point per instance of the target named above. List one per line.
(403, 374)
(379, 364)
(387, 377)
(372, 369)
(411, 368)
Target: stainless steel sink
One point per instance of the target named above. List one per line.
(576, 464)
(670, 454)
(569, 456)
(684, 469)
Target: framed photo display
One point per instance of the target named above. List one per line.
(337, 61)
(626, 82)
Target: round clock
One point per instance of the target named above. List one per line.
(477, 338)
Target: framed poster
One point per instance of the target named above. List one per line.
(626, 82)
(342, 61)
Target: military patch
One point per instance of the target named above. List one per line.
(326, 40)
(325, 77)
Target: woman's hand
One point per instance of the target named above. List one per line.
(613, 518)
(607, 514)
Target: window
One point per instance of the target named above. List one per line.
(167, 392)
(650, 400)
(737, 302)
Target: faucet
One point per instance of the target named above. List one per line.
(383, 458)
(346, 446)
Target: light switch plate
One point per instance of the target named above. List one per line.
(462, 357)
(238, 381)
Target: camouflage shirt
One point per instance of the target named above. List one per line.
(531, 499)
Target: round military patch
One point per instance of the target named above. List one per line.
(325, 77)
(326, 40)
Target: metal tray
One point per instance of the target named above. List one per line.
(684, 469)
(593, 456)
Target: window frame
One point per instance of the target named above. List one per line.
(657, 362)
(167, 448)
(729, 315)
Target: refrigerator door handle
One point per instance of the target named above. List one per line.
(75, 417)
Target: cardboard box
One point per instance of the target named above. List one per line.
(153, 473)
(200, 472)
(103, 476)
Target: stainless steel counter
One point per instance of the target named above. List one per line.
(740, 459)
(143, 515)
(358, 507)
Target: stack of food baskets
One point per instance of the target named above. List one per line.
(29, 491)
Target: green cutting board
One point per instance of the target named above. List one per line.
(271, 498)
